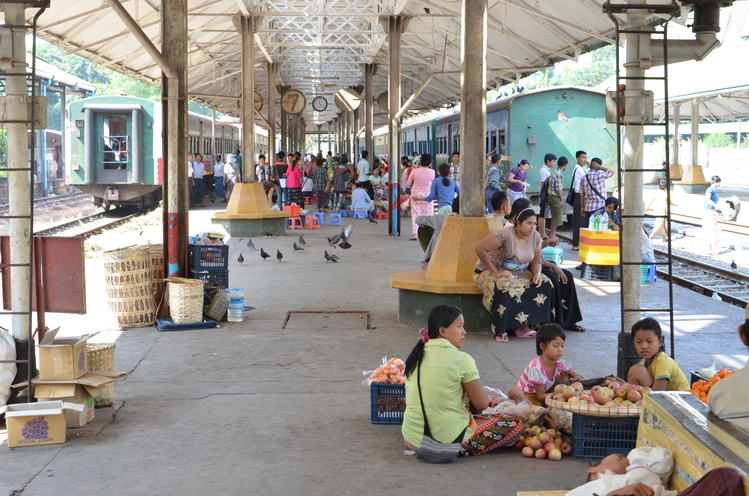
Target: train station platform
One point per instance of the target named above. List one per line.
(275, 405)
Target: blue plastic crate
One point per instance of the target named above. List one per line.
(595, 438)
(388, 403)
(214, 279)
(209, 257)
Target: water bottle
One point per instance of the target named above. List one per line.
(716, 296)
(597, 222)
(235, 313)
(604, 222)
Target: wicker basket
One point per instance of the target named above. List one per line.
(157, 272)
(185, 300)
(129, 286)
(101, 357)
(585, 408)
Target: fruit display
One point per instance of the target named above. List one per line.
(540, 442)
(604, 399)
(702, 388)
(391, 372)
(529, 413)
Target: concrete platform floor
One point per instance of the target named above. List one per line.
(254, 408)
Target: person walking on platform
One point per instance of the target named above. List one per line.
(218, 178)
(231, 174)
(362, 171)
(543, 175)
(710, 216)
(278, 177)
(420, 182)
(320, 180)
(593, 189)
(492, 182)
(197, 176)
(190, 159)
(555, 198)
(516, 181)
(578, 216)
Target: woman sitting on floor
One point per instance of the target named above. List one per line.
(566, 309)
(508, 272)
(441, 383)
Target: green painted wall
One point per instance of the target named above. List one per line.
(586, 129)
(76, 134)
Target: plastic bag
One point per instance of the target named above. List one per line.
(562, 419)
(390, 372)
(526, 411)
(494, 394)
(709, 372)
(7, 370)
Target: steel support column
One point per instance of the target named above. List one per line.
(355, 137)
(473, 106)
(272, 70)
(676, 140)
(394, 26)
(631, 233)
(20, 184)
(695, 132)
(63, 140)
(319, 138)
(330, 148)
(247, 25)
(369, 72)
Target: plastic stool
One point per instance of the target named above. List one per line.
(652, 273)
(335, 220)
(313, 222)
(381, 215)
(360, 214)
(321, 216)
(346, 213)
(294, 223)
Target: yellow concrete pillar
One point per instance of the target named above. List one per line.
(248, 198)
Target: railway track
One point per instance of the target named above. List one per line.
(85, 226)
(700, 277)
(725, 226)
(43, 202)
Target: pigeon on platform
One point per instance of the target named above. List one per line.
(370, 217)
(297, 247)
(733, 265)
(345, 235)
(279, 255)
(330, 258)
(140, 233)
(335, 240)
(251, 245)
(264, 254)
(240, 259)
(267, 235)
(302, 242)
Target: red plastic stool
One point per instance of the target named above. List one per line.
(312, 222)
(381, 215)
(294, 223)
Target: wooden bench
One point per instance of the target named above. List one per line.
(699, 440)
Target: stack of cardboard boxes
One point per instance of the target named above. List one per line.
(64, 390)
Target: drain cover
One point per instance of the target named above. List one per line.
(348, 320)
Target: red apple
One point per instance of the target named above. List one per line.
(541, 454)
(634, 396)
(535, 443)
(578, 387)
(614, 385)
(568, 391)
(559, 388)
(566, 448)
(558, 440)
(555, 455)
(549, 446)
(594, 389)
(544, 437)
(527, 452)
(536, 430)
(552, 432)
(527, 432)
(520, 445)
(573, 399)
(621, 392)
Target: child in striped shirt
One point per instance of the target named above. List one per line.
(540, 375)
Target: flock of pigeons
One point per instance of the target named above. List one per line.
(339, 240)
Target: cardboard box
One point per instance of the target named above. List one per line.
(62, 359)
(69, 393)
(35, 424)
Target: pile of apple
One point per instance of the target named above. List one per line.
(543, 443)
(611, 393)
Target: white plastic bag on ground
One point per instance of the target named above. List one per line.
(7, 370)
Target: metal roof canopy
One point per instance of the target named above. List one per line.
(320, 45)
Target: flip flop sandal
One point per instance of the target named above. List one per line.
(575, 248)
(502, 338)
(527, 335)
(577, 328)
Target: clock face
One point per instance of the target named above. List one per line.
(319, 103)
(293, 102)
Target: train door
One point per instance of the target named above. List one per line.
(112, 148)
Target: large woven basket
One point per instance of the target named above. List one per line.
(157, 272)
(101, 357)
(185, 300)
(129, 286)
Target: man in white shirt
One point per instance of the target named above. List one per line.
(578, 215)
(362, 168)
(197, 176)
(262, 171)
(544, 212)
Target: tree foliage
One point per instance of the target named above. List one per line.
(601, 66)
(719, 140)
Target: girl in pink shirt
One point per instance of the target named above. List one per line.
(420, 182)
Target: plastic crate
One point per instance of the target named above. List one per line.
(598, 272)
(645, 271)
(695, 376)
(213, 279)
(388, 403)
(595, 438)
(209, 257)
(553, 254)
(293, 210)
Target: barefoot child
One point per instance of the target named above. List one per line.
(539, 376)
(657, 370)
